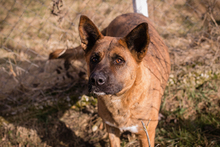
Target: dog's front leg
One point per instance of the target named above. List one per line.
(144, 140)
(114, 136)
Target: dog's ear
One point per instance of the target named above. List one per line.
(138, 40)
(88, 32)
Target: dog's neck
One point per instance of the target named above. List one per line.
(133, 94)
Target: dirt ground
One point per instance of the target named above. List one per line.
(46, 103)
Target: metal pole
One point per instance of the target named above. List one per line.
(140, 6)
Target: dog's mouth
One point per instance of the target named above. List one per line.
(96, 91)
(99, 93)
(103, 90)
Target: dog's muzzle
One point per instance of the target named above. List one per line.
(97, 83)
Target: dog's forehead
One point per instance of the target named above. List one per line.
(108, 45)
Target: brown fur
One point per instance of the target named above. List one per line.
(129, 63)
(74, 53)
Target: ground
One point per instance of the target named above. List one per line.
(46, 103)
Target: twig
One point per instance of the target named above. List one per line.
(148, 122)
(145, 129)
(213, 19)
(130, 143)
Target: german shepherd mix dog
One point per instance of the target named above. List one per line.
(128, 67)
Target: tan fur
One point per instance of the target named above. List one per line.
(144, 78)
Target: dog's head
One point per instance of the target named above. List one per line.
(112, 62)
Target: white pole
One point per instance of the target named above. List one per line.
(140, 6)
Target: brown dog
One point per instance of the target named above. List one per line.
(128, 67)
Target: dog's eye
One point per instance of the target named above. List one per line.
(118, 61)
(94, 59)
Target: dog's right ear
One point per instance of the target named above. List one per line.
(88, 32)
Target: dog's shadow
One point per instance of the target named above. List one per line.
(35, 97)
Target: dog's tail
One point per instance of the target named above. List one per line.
(68, 54)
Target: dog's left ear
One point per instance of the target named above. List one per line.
(138, 40)
(88, 32)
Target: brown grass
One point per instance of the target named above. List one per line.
(45, 103)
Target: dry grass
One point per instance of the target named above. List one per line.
(46, 103)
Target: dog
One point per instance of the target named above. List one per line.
(128, 67)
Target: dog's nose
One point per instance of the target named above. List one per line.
(97, 79)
